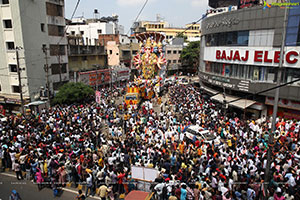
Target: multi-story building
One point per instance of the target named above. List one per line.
(190, 31)
(172, 53)
(120, 48)
(240, 55)
(90, 29)
(29, 26)
(85, 57)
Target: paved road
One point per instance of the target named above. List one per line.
(29, 191)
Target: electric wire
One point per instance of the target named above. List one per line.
(138, 15)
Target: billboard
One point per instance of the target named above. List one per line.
(102, 77)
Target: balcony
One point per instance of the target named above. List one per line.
(86, 50)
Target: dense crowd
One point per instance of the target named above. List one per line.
(68, 144)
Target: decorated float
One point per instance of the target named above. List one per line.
(148, 61)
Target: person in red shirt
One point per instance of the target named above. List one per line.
(121, 176)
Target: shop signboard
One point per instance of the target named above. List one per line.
(253, 56)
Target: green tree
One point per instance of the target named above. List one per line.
(181, 35)
(73, 93)
(190, 55)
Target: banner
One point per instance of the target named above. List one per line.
(98, 97)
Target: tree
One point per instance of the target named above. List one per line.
(73, 93)
(190, 55)
(181, 35)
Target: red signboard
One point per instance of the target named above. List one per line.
(101, 77)
(247, 3)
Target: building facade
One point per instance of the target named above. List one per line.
(173, 53)
(90, 29)
(240, 55)
(31, 26)
(191, 31)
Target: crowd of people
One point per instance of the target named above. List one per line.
(70, 144)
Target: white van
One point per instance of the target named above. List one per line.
(197, 131)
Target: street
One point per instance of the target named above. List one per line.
(29, 191)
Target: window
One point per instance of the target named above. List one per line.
(13, 68)
(239, 38)
(0, 88)
(174, 61)
(293, 28)
(61, 30)
(169, 52)
(179, 61)
(110, 52)
(81, 32)
(15, 89)
(169, 61)
(291, 75)
(54, 10)
(84, 58)
(179, 52)
(57, 69)
(5, 1)
(57, 50)
(7, 23)
(64, 68)
(261, 38)
(72, 32)
(10, 45)
(54, 30)
(174, 52)
(242, 38)
(42, 27)
(272, 74)
(99, 31)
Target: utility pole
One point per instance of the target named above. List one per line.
(275, 108)
(111, 77)
(19, 77)
(224, 101)
(46, 68)
(97, 79)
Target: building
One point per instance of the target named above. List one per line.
(172, 53)
(128, 48)
(239, 56)
(29, 26)
(191, 31)
(90, 29)
(120, 48)
(84, 57)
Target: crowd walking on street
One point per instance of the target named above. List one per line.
(94, 145)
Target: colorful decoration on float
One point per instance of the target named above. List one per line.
(150, 58)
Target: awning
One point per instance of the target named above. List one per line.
(232, 101)
(242, 103)
(211, 91)
(36, 103)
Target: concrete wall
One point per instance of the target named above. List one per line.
(112, 50)
(91, 31)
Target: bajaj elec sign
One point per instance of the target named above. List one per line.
(253, 56)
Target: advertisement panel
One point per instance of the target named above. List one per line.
(102, 77)
(262, 56)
